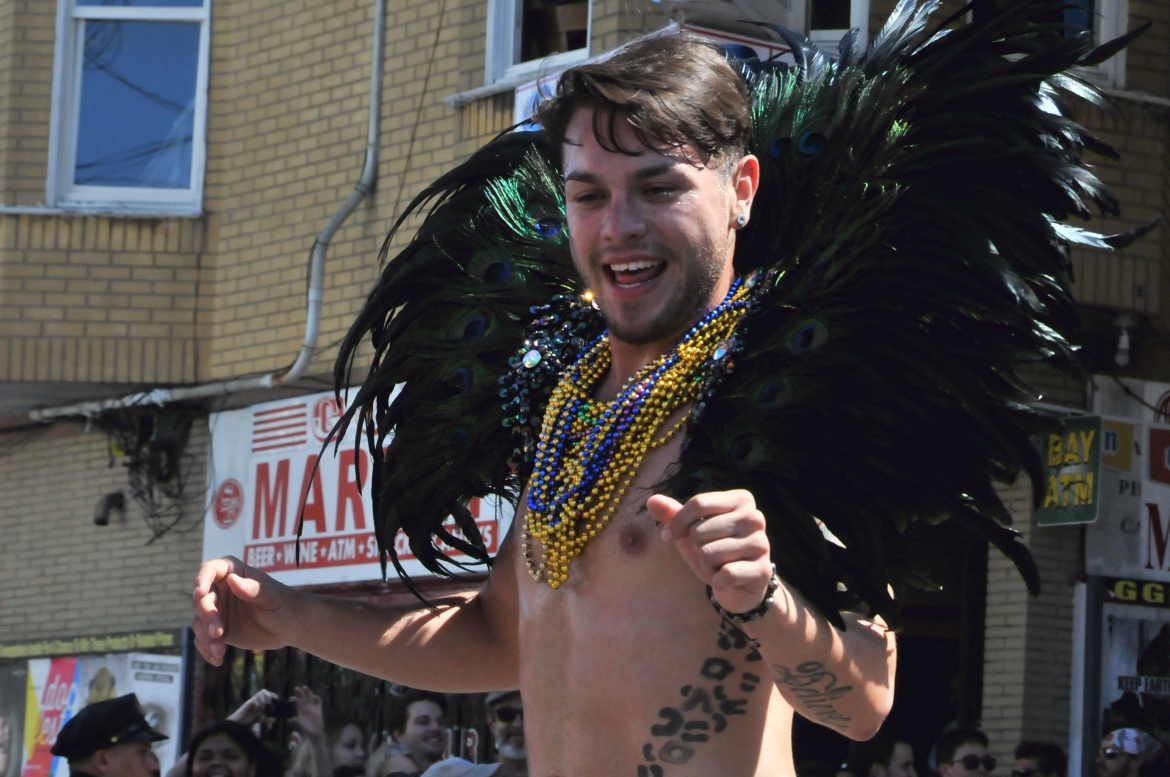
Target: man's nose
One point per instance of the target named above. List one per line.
(623, 220)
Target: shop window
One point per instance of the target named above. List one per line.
(525, 35)
(829, 20)
(1107, 19)
(129, 107)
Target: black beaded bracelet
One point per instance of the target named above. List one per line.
(754, 614)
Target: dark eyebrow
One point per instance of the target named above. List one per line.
(639, 175)
(654, 172)
(582, 177)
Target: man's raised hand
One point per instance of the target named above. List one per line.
(721, 537)
(237, 604)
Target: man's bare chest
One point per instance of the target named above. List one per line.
(628, 662)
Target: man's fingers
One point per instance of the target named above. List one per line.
(663, 507)
(718, 554)
(740, 574)
(738, 523)
(211, 650)
(215, 570)
(703, 506)
(245, 588)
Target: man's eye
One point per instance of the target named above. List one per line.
(661, 191)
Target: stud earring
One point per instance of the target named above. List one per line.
(741, 220)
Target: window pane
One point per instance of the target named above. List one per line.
(145, 3)
(829, 15)
(137, 113)
(553, 26)
(1077, 16)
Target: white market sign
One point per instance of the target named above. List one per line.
(267, 463)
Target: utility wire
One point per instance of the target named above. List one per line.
(421, 103)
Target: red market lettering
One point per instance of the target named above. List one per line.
(313, 511)
(348, 488)
(271, 504)
(271, 498)
(1156, 535)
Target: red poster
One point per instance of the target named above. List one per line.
(1160, 455)
(54, 702)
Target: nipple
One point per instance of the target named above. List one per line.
(632, 540)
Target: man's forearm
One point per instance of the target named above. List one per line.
(449, 647)
(843, 680)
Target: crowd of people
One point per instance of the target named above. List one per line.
(961, 752)
(113, 739)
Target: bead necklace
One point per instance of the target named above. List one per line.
(589, 451)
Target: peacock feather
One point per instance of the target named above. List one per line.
(910, 253)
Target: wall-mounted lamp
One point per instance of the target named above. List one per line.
(1125, 321)
(115, 500)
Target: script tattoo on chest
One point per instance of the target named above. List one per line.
(817, 690)
(706, 706)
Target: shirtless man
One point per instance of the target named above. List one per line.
(626, 669)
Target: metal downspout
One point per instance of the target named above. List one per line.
(316, 293)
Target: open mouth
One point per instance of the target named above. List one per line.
(628, 275)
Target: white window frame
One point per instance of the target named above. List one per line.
(1110, 20)
(829, 39)
(503, 65)
(60, 191)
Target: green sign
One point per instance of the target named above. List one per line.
(1072, 473)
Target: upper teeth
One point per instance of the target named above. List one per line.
(630, 267)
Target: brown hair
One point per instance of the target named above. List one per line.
(676, 91)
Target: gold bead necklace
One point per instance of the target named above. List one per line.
(589, 451)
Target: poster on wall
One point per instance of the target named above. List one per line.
(56, 689)
(1135, 659)
(1071, 460)
(1132, 535)
(13, 689)
(267, 471)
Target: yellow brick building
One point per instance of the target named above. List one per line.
(107, 289)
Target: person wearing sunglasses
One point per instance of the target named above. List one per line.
(506, 723)
(963, 753)
(1125, 751)
(1040, 759)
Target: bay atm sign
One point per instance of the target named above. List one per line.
(267, 473)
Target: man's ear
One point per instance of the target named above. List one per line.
(99, 763)
(744, 181)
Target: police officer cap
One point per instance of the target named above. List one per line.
(103, 725)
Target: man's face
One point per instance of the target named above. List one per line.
(652, 235)
(902, 761)
(506, 722)
(220, 756)
(425, 732)
(970, 761)
(136, 759)
(1111, 762)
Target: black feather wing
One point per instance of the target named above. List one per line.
(445, 318)
(907, 260)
